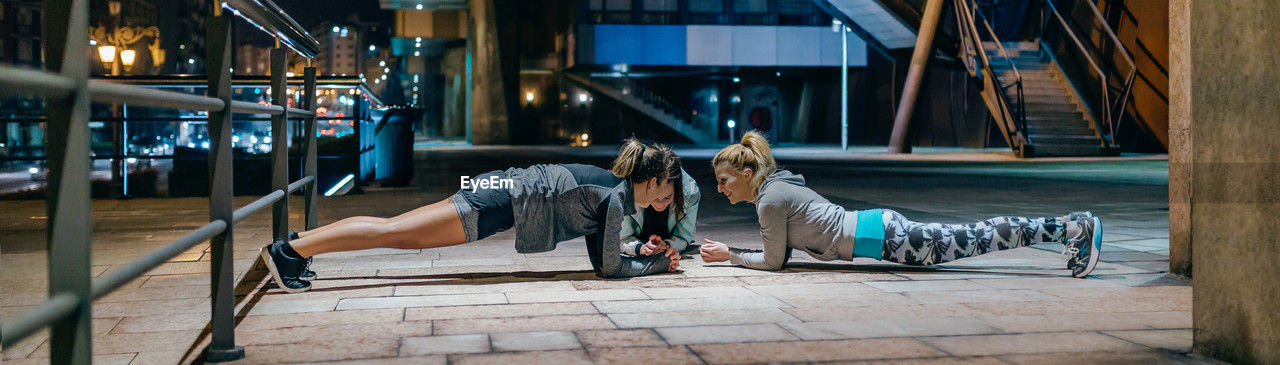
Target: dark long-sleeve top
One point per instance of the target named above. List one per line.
(556, 203)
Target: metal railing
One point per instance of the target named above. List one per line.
(1112, 109)
(972, 44)
(68, 91)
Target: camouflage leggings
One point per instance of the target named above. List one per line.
(915, 243)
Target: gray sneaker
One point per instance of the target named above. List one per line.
(1084, 248)
(1072, 217)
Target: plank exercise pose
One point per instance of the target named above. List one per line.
(793, 216)
(546, 204)
(667, 222)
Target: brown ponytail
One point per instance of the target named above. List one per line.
(637, 163)
(754, 152)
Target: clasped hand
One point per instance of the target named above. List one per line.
(657, 245)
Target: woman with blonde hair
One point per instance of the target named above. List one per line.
(546, 204)
(793, 216)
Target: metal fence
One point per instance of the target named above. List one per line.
(69, 91)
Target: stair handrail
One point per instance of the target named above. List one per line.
(1021, 110)
(1123, 101)
(965, 12)
(1106, 93)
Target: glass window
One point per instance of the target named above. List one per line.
(750, 6)
(617, 4)
(706, 6)
(660, 5)
(596, 5)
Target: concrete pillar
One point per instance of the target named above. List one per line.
(488, 105)
(1225, 172)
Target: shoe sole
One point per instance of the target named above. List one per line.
(1096, 250)
(275, 273)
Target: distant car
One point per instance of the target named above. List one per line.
(39, 172)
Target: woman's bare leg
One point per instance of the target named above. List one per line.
(434, 225)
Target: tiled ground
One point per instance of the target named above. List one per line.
(484, 303)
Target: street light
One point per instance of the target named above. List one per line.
(107, 53)
(127, 57)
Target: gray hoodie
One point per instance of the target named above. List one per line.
(793, 216)
(556, 203)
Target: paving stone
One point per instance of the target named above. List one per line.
(112, 359)
(421, 301)
(813, 351)
(656, 282)
(1178, 340)
(1058, 322)
(871, 328)
(925, 285)
(333, 333)
(499, 311)
(1041, 283)
(158, 358)
(523, 324)
(725, 334)
(150, 307)
(685, 304)
(619, 338)
(534, 341)
(966, 360)
(978, 296)
(348, 349)
(1029, 343)
(567, 357)
(431, 289)
(293, 306)
(192, 321)
(435, 345)
(414, 360)
(1101, 357)
(643, 355)
(370, 316)
(698, 292)
(700, 318)
(818, 277)
(575, 295)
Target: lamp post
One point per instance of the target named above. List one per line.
(114, 50)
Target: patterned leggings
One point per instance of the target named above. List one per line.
(915, 243)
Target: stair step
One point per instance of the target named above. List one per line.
(1044, 150)
(1040, 109)
(1064, 139)
(1061, 131)
(1034, 121)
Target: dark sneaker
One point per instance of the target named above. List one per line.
(306, 270)
(1084, 248)
(1072, 217)
(285, 270)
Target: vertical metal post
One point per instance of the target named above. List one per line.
(310, 191)
(65, 36)
(279, 143)
(844, 87)
(223, 345)
(915, 74)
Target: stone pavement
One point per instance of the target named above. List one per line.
(485, 303)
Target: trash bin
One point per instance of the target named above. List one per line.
(394, 148)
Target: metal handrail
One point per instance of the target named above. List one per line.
(69, 93)
(1022, 108)
(965, 13)
(1106, 92)
(1133, 66)
(267, 16)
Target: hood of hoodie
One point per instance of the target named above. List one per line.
(781, 177)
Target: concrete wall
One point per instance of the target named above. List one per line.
(488, 102)
(1225, 158)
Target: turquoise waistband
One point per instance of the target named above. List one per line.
(868, 240)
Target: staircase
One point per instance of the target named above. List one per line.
(1058, 123)
(627, 92)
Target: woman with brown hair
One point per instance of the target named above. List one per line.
(546, 204)
(793, 216)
